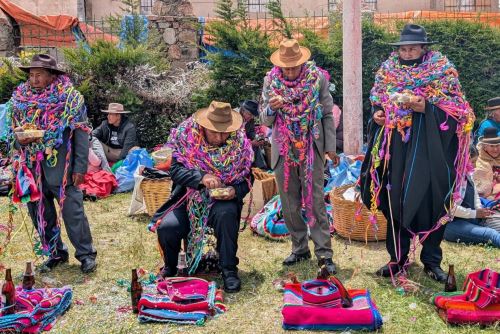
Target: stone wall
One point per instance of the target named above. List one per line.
(7, 45)
(175, 21)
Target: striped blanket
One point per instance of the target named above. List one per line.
(37, 310)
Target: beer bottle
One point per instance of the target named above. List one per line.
(322, 271)
(135, 291)
(28, 277)
(182, 268)
(9, 291)
(451, 283)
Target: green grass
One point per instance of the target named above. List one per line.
(124, 243)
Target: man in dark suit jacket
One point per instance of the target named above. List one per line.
(59, 177)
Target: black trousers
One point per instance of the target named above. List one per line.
(75, 221)
(224, 218)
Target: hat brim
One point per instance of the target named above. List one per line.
(201, 117)
(115, 111)
(489, 141)
(492, 108)
(411, 43)
(27, 69)
(275, 58)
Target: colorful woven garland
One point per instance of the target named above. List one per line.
(57, 107)
(297, 122)
(231, 163)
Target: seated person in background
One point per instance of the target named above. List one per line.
(249, 110)
(209, 151)
(116, 134)
(493, 119)
(486, 175)
(469, 224)
(97, 157)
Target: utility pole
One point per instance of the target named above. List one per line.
(352, 77)
(80, 10)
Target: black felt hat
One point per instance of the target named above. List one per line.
(412, 34)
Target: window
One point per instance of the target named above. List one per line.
(256, 6)
(334, 5)
(468, 5)
(146, 7)
(370, 4)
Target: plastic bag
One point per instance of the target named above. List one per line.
(125, 173)
(347, 172)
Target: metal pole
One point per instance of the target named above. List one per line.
(352, 77)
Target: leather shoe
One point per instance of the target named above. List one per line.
(51, 263)
(386, 270)
(232, 282)
(88, 265)
(166, 272)
(436, 273)
(330, 266)
(296, 258)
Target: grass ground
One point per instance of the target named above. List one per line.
(123, 243)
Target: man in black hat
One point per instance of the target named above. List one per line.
(493, 119)
(57, 159)
(249, 110)
(411, 172)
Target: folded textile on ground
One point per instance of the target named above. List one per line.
(478, 303)
(182, 300)
(100, 184)
(321, 315)
(37, 310)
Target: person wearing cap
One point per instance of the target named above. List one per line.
(418, 150)
(298, 106)
(493, 119)
(116, 133)
(249, 110)
(470, 217)
(58, 161)
(487, 171)
(209, 150)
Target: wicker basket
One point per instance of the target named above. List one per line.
(344, 212)
(156, 192)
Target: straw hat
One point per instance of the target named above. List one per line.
(290, 54)
(493, 104)
(116, 108)
(43, 61)
(218, 117)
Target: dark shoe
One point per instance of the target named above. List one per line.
(436, 273)
(232, 282)
(296, 258)
(330, 266)
(386, 270)
(88, 265)
(51, 263)
(166, 272)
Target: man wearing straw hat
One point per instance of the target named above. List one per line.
(211, 163)
(418, 155)
(298, 106)
(58, 161)
(116, 133)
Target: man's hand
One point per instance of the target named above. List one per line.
(258, 143)
(78, 178)
(334, 157)
(417, 104)
(276, 102)
(211, 181)
(379, 117)
(483, 213)
(230, 196)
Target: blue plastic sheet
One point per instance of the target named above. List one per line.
(125, 173)
(347, 172)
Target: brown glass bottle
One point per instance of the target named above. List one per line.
(322, 271)
(28, 277)
(9, 291)
(182, 268)
(451, 282)
(135, 291)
